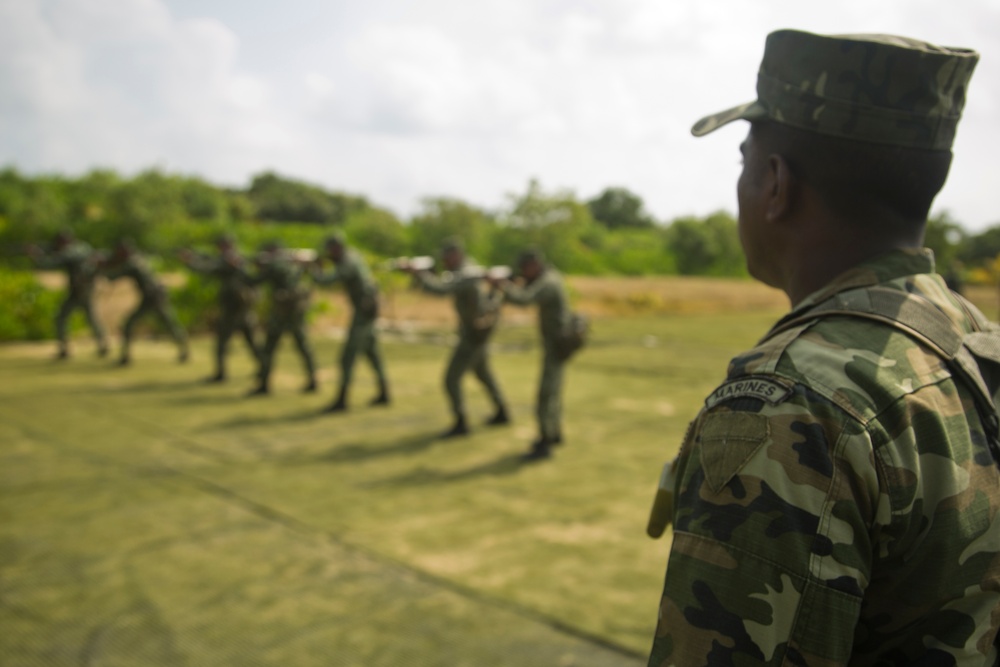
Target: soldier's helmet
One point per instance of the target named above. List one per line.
(880, 89)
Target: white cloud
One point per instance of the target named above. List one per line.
(400, 100)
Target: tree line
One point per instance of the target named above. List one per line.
(610, 233)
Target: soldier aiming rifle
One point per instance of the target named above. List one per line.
(236, 298)
(478, 312)
(81, 264)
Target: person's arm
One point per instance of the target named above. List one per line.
(200, 263)
(527, 295)
(775, 493)
(435, 284)
(329, 278)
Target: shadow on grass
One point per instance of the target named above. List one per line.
(350, 453)
(201, 399)
(507, 464)
(144, 387)
(262, 420)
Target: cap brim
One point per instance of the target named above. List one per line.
(749, 111)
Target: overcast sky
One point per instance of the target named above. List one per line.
(400, 99)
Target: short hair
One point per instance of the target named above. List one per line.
(859, 180)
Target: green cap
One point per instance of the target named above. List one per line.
(336, 238)
(878, 89)
(452, 244)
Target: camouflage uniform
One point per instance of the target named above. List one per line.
(549, 294)
(473, 306)
(80, 262)
(836, 502)
(362, 337)
(153, 297)
(236, 304)
(289, 305)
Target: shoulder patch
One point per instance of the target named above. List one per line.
(727, 441)
(765, 389)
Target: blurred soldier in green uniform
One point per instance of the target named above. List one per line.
(289, 305)
(362, 338)
(80, 262)
(837, 499)
(127, 262)
(236, 299)
(478, 312)
(543, 286)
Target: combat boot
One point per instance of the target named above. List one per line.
(340, 405)
(500, 418)
(459, 429)
(261, 390)
(540, 449)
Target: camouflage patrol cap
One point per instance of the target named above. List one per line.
(337, 239)
(878, 89)
(531, 255)
(452, 244)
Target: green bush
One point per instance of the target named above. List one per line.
(27, 309)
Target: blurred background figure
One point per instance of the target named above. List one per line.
(362, 337)
(80, 262)
(237, 298)
(126, 261)
(478, 313)
(543, 286)
(288, 307)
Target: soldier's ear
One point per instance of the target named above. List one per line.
(781, 188)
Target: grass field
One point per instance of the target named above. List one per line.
(149, 519)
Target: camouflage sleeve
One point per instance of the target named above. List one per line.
(49, 262)
(436, 285)
(203, 264)
(527, 295)
(328, 278)
(775, 497)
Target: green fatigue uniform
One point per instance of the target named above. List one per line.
(79, 261)
(153, 298)
(289, 304)
(839, 473)
(362, 337)
(476, 312)
(236, 304)
(548, 292)
(836, 501)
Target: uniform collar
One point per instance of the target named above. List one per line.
(882, 269)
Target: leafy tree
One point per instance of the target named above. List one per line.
(378, 231)
(442, 217)
(556, 223)
(617, 208)
(707, 247)
(285, 200)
